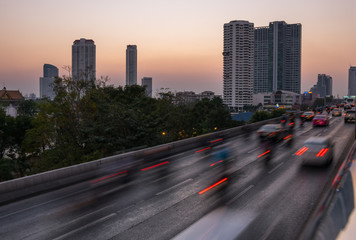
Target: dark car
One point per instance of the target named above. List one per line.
(307, 116)
(272, 131)
(349, 115)
(317, 151)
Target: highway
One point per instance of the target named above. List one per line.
(260, 201)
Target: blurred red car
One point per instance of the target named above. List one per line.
(320, 120)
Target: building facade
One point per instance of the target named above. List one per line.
(279, 98)
(323, 87)
(84, 60)
(238, 72)
(10, 99)
(147, 83)
(277, 64)
(352, 81)
(50, 73)
(131, 65)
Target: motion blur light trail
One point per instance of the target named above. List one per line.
(216, 163)
(106, 177)
(301, 151)
(214, 185)
(263, 153)
(159, 164)
(202, 150)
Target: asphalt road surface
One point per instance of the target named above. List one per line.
(257, 201)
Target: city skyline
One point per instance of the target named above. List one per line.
(180, 53)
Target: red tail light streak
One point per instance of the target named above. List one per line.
(322, 152)
(216, 163)
(159, 164)
(263, 153)
(287, 137)
(109, 176)
(301, 151)
(214, 185)
(202, 150)
(217, 140)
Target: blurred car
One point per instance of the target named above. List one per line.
(320, 120)
(272, 131)
(349, 116)
(336, 112)
(307, 116)
(317, 151)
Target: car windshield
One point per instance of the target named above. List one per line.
(315, 146)
(319, 117)
(350, 111)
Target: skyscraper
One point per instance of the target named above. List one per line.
(50, 73)
(277, 57)
(131, 65)
(238, 70)
(352, 81)
(147, 83)
(84, 60)
(323, 87)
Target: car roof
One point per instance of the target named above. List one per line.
(320, 115)
(317, 140)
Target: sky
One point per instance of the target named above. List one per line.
(179, 42)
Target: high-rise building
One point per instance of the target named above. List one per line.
(352, 81)
(50, 73)
(84, 60)
(147, 83)
(238, 70)
(323, 87)
(277, 55)
(131, 65)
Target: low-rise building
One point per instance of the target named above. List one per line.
(284, 99)
(9, 100)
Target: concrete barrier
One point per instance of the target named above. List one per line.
(25, 186)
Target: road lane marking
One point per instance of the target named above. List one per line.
(270, 228)
(86, 226)
(240, 194)
(253, 150)
(175, 186)
(276, 167)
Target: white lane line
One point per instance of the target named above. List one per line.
(41, 204)
(240, 194)
(276, 167)
(270, 228)
(86, 226)
(175, 186)
(253, 150)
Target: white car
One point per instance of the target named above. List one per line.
(317, 151)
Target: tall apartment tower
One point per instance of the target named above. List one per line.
(50, 73)
(84, 60)
(352, 81)
(147, 83)
(277, 57)
(131, 65)
(238, 73)
(327, 81)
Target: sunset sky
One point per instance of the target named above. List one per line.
(179, 42)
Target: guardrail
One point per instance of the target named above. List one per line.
(30, 185)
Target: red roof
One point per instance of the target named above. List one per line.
(10, 95)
